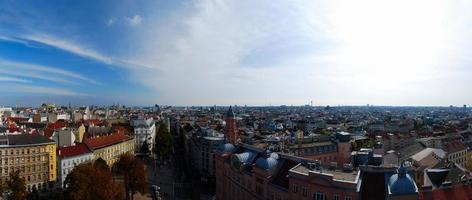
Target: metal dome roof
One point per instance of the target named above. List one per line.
(230, 113)
(245, 157)
(401, 183)
(226, 148)
(268, 161)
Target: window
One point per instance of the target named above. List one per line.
(348, 198)
(295, 188)
(336, 197)
(305, 191)
(319, 196)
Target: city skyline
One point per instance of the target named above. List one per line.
(208, 52)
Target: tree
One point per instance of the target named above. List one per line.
(145, 148)
(163, 144)
(134, 174)
(91, 181)
(34, 194)
(101, 164)
(324, 132)
(16, 187)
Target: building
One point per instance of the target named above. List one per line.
(144, 132)
(33, 155)
(456, 152)
(323, 148)
(110, 147)
(244, 172)
(389, 183)
(231, 129)
(69, 157)
(204, 143)
(64, 137)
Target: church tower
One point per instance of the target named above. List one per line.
(231, 131)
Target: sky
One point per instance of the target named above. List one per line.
(226, 52)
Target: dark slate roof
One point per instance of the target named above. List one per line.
(408, 151)
(33, 125)
(455, 171)
(28, 139)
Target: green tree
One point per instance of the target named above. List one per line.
(324, 132)
(134, 174)
(16, 187)
(163, 144)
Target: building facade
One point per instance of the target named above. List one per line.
(231, 129)
(68, 158)
(203, 146)
(144, 132)
(33, 155)
(243, 172)
(110, 147)
(457, 153)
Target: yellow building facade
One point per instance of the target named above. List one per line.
(34, 156)
(110, 147)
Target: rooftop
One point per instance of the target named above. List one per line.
(104, 141)
(337, 174)
(26, 139)
(72, 151)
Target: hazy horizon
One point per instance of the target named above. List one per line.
(212, 52)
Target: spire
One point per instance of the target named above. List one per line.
(402, 170)
(230, 113)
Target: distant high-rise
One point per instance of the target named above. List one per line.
(231, 131)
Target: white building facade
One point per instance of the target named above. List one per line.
(144, 131)
(68, 158)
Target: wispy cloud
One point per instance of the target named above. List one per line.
(6, 65)
(13, 79)
(135, 20)
(77, 49)
(35, 75)
(28, 89)
(110, 22)
(70, 47)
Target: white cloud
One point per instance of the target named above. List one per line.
(342, 52)
(70, 47)
(76, 49)
(38, 90)
(13, 79)
(135, 20)
(12, 67)
(27, 73)
(110, 22)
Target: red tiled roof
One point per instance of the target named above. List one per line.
(103, 141)
(454, 147)
(93, 121)
(461, 191)
(49, 130)
(76, 150)
(13, 128)
(17, 119)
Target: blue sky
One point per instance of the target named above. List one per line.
(206, 52)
